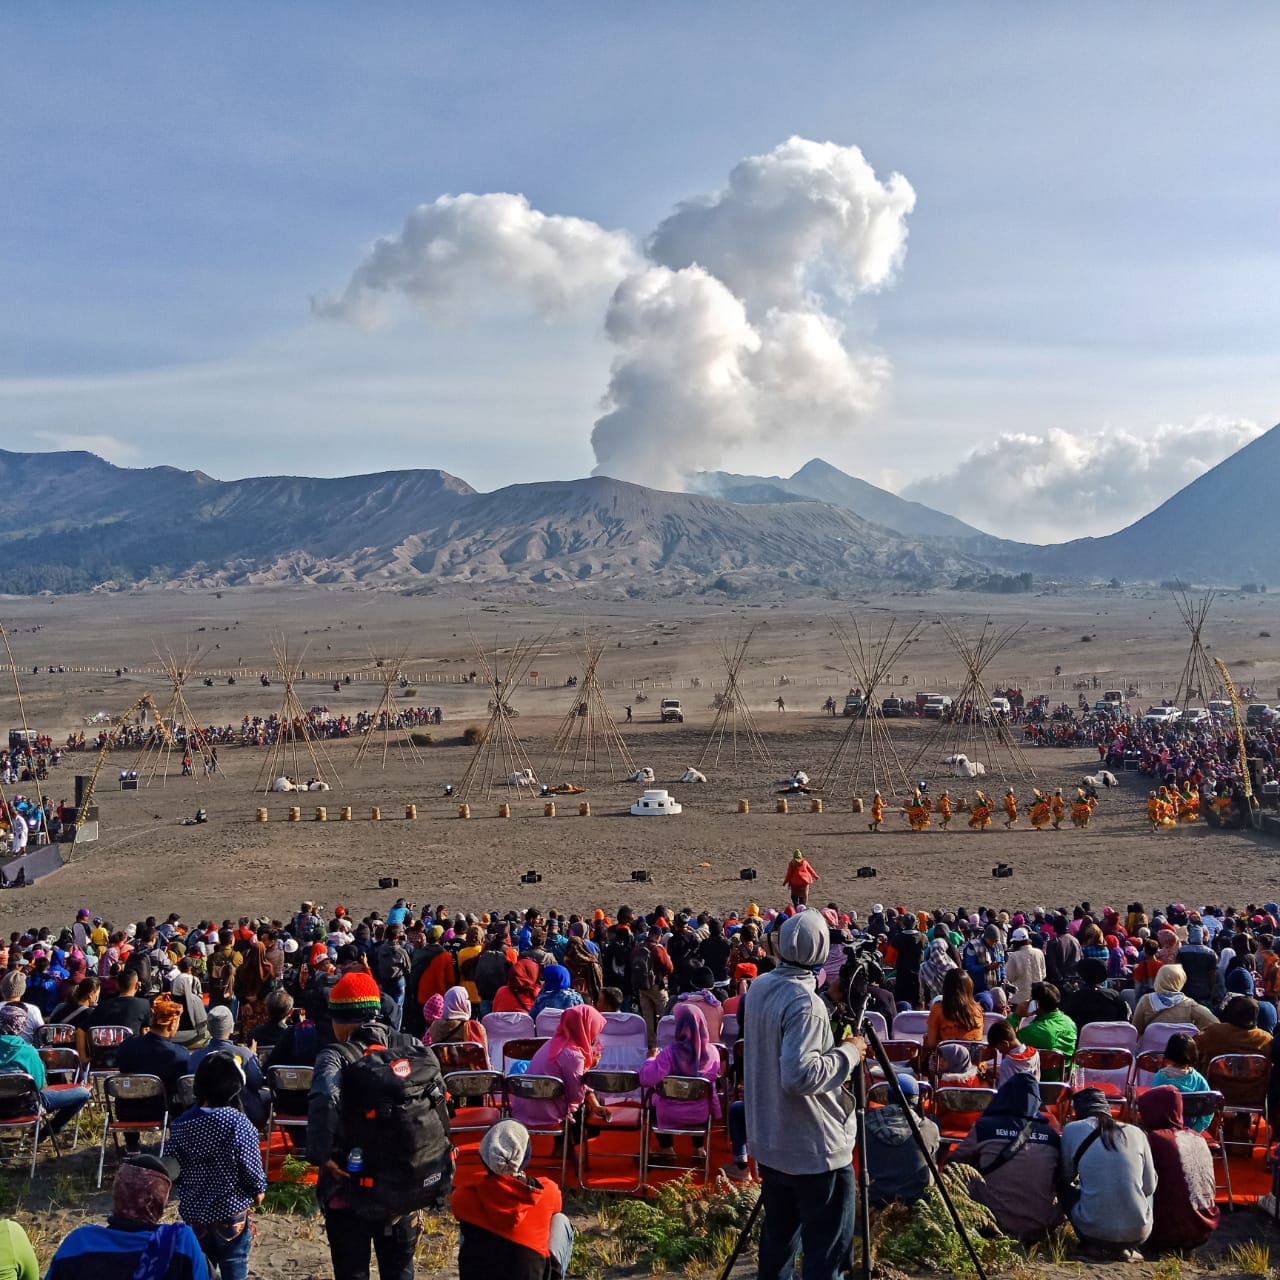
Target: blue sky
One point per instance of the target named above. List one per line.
(1092, 254)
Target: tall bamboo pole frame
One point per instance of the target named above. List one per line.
(588, 739)
(294, 744)
(733, 715)
(388, 671)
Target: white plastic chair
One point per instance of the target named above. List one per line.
(547, 1022)
(1108, 1035)
(666, 1031)
(501, 1027)
(989, 1020)
(878, 1023)
(624, 1042)
(1156, 1036)
(911, 1024)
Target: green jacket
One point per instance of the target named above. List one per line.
(17, 1055)
(1053, 1031)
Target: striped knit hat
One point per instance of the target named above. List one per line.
(355, 998)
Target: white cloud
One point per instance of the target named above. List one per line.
(1064, 484)
(465, 250)
(723, 336)
(807, 213)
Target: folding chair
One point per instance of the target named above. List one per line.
(666, 1031)
(461, 1056)
(617, 1091)
(1106, 1069)
(881, 1093)
(61, 1064)
(1242, 1079)
(1157, 1034)
(547, 1021)
(103, 1043)
(21, 1108)
(501, 1027)
(679, 1089)
(902, 1054)
(949, 1056)
(142, 1095)
(290, 1088)
(520, 1050)
(911, 1024)
(956, 1108)
(1196, 1106)
(732, 1029)
(527, 1088)
(477, 1117)
(878, 1023)
(624, 1044)
(184, 1094)
(59, 1035)
(1108, 1035)
(990, 1020)
(1145, 1066)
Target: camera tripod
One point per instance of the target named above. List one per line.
(853, 1018)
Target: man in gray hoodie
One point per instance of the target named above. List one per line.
(800, 1123)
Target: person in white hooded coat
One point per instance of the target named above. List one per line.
(801, 1127)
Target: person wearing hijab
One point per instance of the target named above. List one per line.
(218, 1150)
(1184, 1212)
(690, 1054)
(938, 963)
(702, 998)
(455, 1025)
(253, 982)
(572, 1051)
(510, 1223)
(1168, 1002)
(557, 990)
(521, 990)
(1113, 1211)
(584, 967)
(134, 1242)
(1013, 1150)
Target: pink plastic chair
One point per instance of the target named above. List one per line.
(547, 1021)
(911, 1025)
(1156, 1036)
(501, 1027)
(1108, 1035)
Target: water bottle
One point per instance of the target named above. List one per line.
(355, 1161)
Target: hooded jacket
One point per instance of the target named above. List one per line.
(1023, 1191)
(897, 1169)
(506, 1227)
(799, 1120)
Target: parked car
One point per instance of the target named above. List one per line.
(891, 707)
(672, 710)
(1195, 716)
(1001, 707)
(853, 704)
(1162, 714)
(1257, 713)
(936, 705)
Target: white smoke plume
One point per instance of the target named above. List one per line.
(460, 250)
(725, 334)
(1064, 484)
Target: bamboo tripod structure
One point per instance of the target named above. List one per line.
(177, 712)
(733, 708)
(1199, 678)
(970, 728)
(589, 731)
(384, 717)
(866, 745)
(294, 745)
(500, 755)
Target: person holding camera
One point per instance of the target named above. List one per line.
(800, 1120)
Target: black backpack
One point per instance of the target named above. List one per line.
(491, 973)
(393, 1109)
(644, 976)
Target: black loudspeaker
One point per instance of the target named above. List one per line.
(866, 873)
(128, 784)
(388, 882)
(642, 876)
(531, 877)
(747, 873)
(1002, 872)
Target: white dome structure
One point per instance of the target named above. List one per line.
(654, 803)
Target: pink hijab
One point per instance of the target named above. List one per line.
(692, 1053)
(433, 1009)
(579, 1028)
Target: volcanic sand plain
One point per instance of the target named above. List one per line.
(145, 862)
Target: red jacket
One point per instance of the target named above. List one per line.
(506, 1226)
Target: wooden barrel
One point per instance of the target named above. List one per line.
(464, 811)
(411, 811)
(815, 804)
(584, 809)
(549, 809)
(263, 815)
(322, 814)
(857, 804)
(781, 806)
(295, 814)
(375, 814)
(344, 814)
(744, 806)
(504, 810)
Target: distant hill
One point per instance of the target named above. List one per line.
(820, 480)
(82, 522)
(1223, 528)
